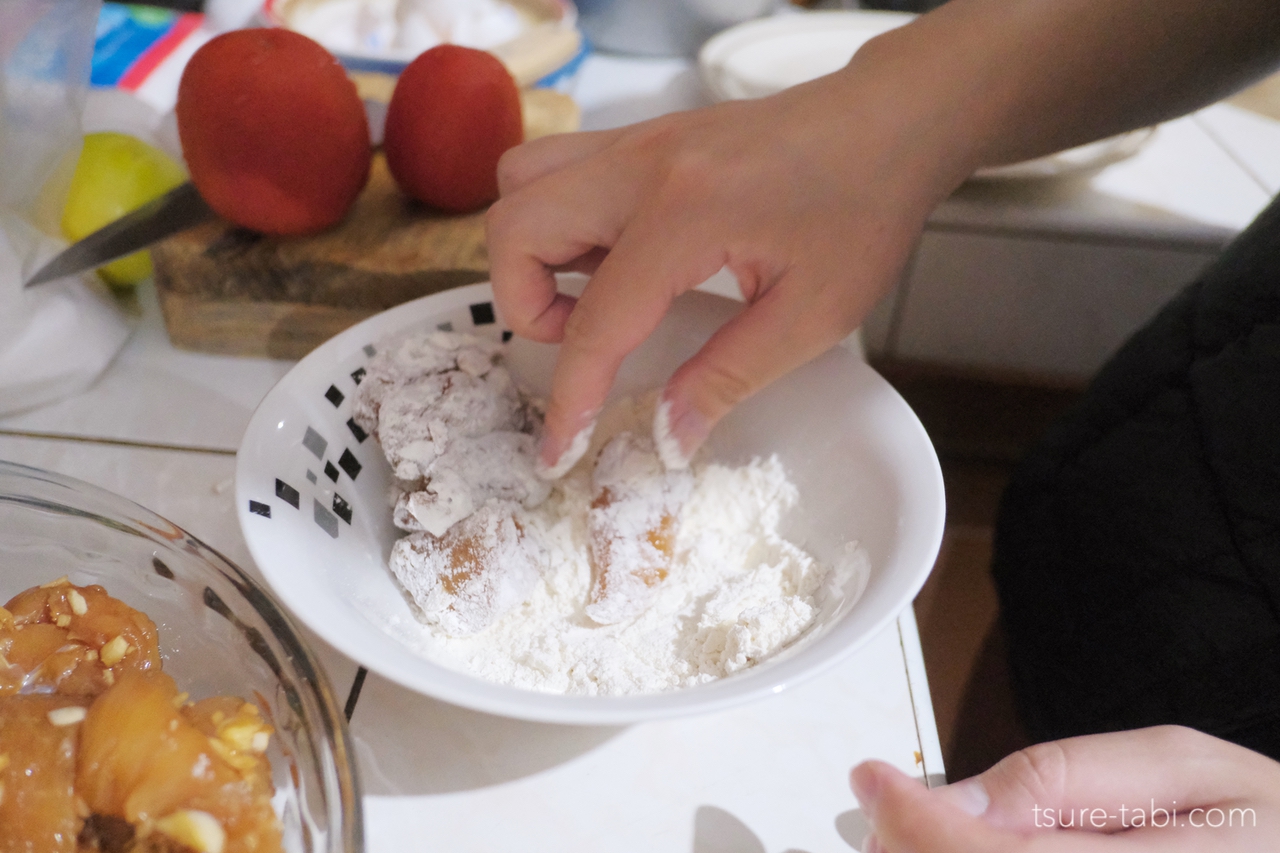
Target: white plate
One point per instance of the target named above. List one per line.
(762, 57)
(765, 56)
(311, 498)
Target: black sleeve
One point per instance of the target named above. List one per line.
(1137, 551)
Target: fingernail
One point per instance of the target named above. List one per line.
(970, 796)
(871, 844)
(678, 432)
(867, 787)
(556, 456)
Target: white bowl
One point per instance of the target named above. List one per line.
(311, 498)
(548, 50)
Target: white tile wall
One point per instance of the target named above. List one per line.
(1042, 306)
(1049, 278)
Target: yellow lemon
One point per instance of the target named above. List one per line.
(117, 173)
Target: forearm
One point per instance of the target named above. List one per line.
(814, 197)
(997, 81)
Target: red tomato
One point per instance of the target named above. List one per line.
(273, 132)
(453, 113)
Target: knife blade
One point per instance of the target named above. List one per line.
(177, 210)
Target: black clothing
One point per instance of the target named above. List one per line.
(1137, 552)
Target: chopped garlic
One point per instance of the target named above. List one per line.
(78, 605)
(261, 740)
(240, 734)
(67, 716)
(241, 762)
(63, 621)
(113, 652)
(198, 830)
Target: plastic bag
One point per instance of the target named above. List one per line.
(55, 339)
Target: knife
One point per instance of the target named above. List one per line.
(177, 210)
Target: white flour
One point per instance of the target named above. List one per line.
(737, 591)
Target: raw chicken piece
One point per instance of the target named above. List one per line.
(74, 640)
(631, 526)
(145, 756)
(418, 421)
(497, 466)
(465, 580)
(37, 773)
(453, 427)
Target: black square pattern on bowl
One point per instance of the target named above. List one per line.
(325, 441)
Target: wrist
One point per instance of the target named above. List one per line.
(895, 104)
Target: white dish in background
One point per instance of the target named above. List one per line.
(312, 501)
(538, 40)
(763, 57)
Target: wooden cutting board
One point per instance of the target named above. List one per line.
(227, 290)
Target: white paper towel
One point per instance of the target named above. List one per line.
(56, 338)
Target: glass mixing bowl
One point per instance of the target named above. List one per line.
(220, 633)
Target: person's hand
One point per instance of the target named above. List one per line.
(1165, 789)
(812, 198)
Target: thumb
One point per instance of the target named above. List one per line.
(908, 818)
(1093, 782)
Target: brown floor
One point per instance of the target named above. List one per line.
(980, 426)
